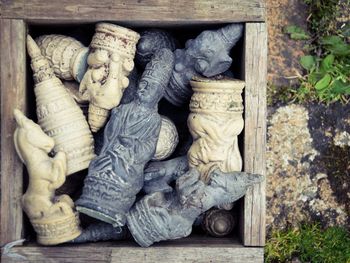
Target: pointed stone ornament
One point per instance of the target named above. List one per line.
(58, 114)
(67, 56)
(54, 218)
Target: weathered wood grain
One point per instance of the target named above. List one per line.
(135, 12)
(13, 95)
(175, 251)
(255, 71)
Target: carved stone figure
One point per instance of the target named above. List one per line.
(101, 232)
(58, 114)
(130, 138)
(110, 61)
(164, 216)
(67, 56)
(53, 217)
(158, 175)
(218, 223)
(215, 122)
(207, 55)
(150, 42)
(131, 91)
(167, 140)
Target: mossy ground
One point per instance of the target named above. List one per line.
(309, 243)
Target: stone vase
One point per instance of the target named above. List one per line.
(58, 114)
(214, 122)
(67, 56)
(110, 60)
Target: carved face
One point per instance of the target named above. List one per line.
(105, 80)
(149, 91)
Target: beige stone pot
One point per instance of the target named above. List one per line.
(110, 60)
(67, 56)
(215, 122)
(58, 114)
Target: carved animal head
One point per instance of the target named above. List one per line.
(29, 133)
(211, 49)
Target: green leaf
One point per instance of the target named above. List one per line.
(324, 82)
(336, 45)
(296, 33)
(339, 87)
(327, 62)
(308, 62)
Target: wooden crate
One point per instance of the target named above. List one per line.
(16, 15)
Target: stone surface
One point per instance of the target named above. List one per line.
(284, 53)
(300, 187)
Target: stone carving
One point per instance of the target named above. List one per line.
(101, 232)
(164, 216)
(130, 92)
(67, 56)
(150, 42)
(218, 223)
(58, 114)
(167, 140)
(53, 217)
(130, 138)
(110, 61)
(214, 122)
(158, 175)
(72, 88)
(206, 55)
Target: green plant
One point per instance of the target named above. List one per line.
(327, 66)
(310, 243)
(328, 76)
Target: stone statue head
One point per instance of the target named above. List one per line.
(110, 61)
(212, 59)
(155, 78)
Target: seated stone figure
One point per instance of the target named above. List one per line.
(130, 137)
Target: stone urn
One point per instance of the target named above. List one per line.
(214, 122)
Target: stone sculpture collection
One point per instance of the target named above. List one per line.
(135, 186)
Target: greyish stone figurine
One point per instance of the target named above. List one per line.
(207, 55)
(158, 175)
(164, 216)
(130, 137)
(150, 42)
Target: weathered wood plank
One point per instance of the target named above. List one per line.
(126, 252)
(13, 95)
(136, 11)
(255, 71)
